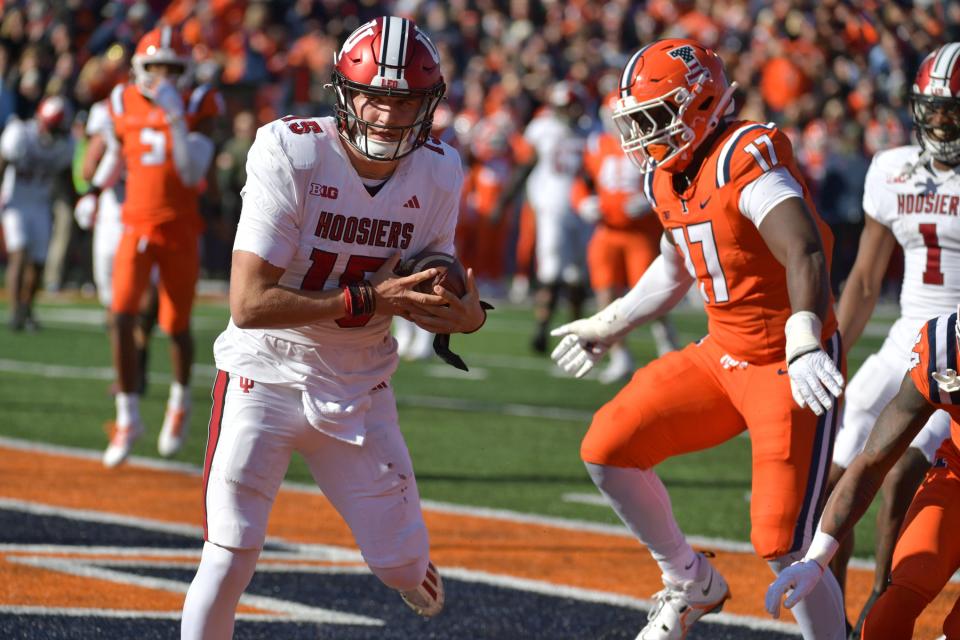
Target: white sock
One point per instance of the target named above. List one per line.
(128, 409)
(211, 603)
(179, 396)
(820, 615)
(640, 499)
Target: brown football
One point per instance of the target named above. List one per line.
(452, 276)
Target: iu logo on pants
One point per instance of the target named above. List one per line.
(246, 384)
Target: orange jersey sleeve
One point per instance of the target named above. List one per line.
(743, 285)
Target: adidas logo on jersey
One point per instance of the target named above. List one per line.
(412, 203)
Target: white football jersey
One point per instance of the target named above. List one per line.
(100, 123)
(32, 164)
(306, 210)
(921, 207)
(559, 155)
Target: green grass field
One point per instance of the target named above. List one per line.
(505, 436)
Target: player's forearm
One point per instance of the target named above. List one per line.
(279, 307)
(108, 170)
(852, 497)
(856, 305)
(191, 161)
(807, 282)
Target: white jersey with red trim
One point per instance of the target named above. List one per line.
(306, 210)
(33, 161)
(921, 206)
(559, 156)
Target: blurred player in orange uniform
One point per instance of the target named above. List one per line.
(627, 236)
(495, 150)
(739, 222)
(162, 133)
(927, 553)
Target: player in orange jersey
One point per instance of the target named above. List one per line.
(927, 553)
(740, 223)
(162, 133)
(626, 239)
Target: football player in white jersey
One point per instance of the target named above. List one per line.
(561, 235)
(99, 209)
(329, 207)
(911, 198)
(32, 153)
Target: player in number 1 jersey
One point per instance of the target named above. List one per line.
(739, 222)
(911, 198)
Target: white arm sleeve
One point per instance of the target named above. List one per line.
(659, 289)
(270, 217)
(192, 153)
(766, 192)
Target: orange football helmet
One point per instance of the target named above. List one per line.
(162, 45)
(673, 94)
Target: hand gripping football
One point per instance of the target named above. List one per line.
(452, 276)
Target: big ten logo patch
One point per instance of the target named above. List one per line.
(323, 191)
(695, 71)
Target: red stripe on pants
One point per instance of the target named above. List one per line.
(219, 395)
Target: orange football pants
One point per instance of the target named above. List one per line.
(617, 258)
(698, 398)
(175, 249)
(926, 556)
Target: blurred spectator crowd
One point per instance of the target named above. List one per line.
(834, 74)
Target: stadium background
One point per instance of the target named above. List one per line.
(834, 76)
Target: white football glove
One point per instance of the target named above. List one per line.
(813, 375)
(586, 341)
(85, 211)
(796, 582)
(169, 99)
(637, 206)
(589, 209)
(815, 381)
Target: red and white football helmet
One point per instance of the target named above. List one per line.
(54, 114)
(935, 104)
(387, 57)
(673, 94)
(162, 45)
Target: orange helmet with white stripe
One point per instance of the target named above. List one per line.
(673, 94)
(162, 45)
